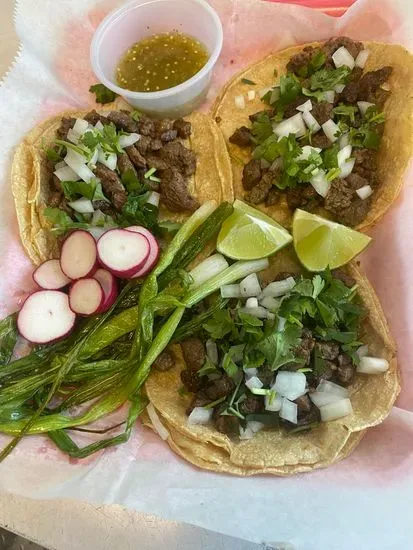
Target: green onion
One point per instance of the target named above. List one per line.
(149, 173)
(261, 391)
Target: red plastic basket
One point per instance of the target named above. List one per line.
(331, 7)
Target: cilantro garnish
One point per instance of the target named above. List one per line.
(326, 79)
(103, 94)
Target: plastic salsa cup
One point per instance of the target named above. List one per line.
(139, 19)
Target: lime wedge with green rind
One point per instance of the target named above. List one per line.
(248, 234)
(320, 243)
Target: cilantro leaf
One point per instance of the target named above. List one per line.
(130, 181)
(219, 325)
(290, 88)
(279, 347)
(54, 154)
(316, 62)
(261, 128)
(136, 115)
(137, 211)
(207, 368)
(249, 320)
(72, 189)
(318, 285)
(348, 111)
(90, 139)
(103, 94)
(229, 366)
(326, 79)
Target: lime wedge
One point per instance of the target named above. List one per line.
(248, 234)
(320, 243)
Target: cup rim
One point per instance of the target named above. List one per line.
(113, 16)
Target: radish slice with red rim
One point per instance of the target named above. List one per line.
(45, 317)
(153, 253)
(109, 286)
(49, 275)
(86, 296)
(123, 252)
(78, 257)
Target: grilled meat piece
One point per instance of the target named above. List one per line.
(174, 191)
(112, 186)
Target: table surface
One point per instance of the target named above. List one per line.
(74, 525)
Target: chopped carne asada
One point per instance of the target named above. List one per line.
(115, 161)
(335, 141)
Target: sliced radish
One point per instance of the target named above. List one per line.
(45, 317)
(49, 275)
(110, 288)
(86, 296)
(153, 253)
(78, 257)
(123, 252)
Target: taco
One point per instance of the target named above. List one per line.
(285, 385)
(121, 164)
(326, 127)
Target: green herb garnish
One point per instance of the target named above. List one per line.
(103, 94)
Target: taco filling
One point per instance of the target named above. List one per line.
(113, 169)
(318, 139)
(276, 353)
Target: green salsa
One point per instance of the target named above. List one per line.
(160, 61)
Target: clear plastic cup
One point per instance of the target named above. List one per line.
(141, 18)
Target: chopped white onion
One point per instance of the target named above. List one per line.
(80, 126)
(363, 106)
(251, 95)
(339, 88)
(92, 163)
(364, 192)
(255, 426)
(66, 174)
(254, 382)
(331, 387)
(251, 372)
(331, 130)
(154, 198)
(345, 163)
(200, 415)
(344, 140)
(281, 324)
(347, 167)
(362, 58)
(251, 302)
(99, 126)
(335, 410)
(211, 266)
(83, 206)
(270, 303)
(245, 434)
(289, 411)
(110, 160)
(293, 125)
(212, 351)
(60, 164)
(372, 365)
(344, 154)
(290, 384)
(264, 91)
(98, 218)
(329, 96)
(363, 350)
(73, 136)
(76, 161)
(259, 312)
(311, 122)
(307, 151)
(343, 57)
(306, 106)
(320, 398)
(320, 183)
(128, 140)
(239, 101)
(230, 291)
(278, 288)
(273, 404)
(250, 286)
(156, 423)
(386, 87)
